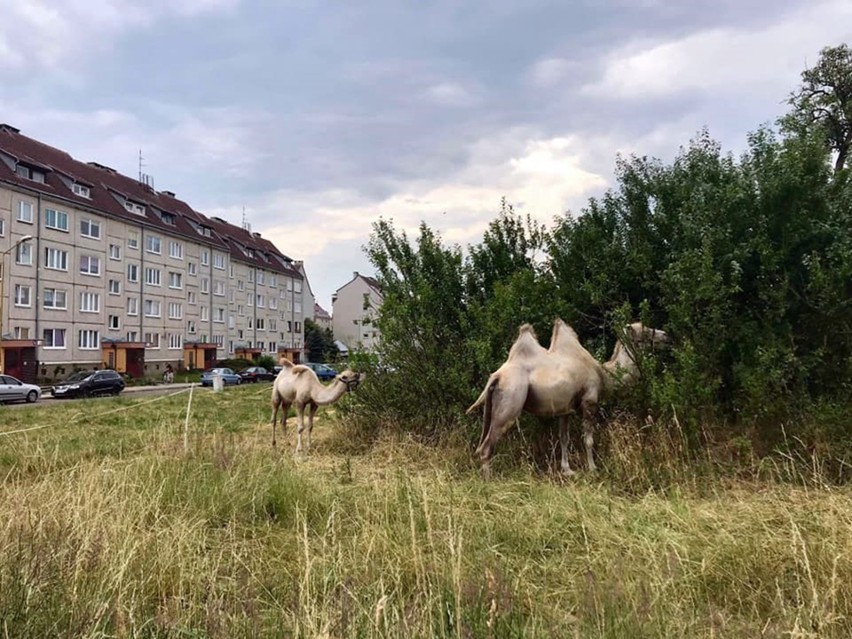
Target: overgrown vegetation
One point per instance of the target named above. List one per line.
(108, 527)
(746, 262)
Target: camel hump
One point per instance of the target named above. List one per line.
(296, 369)
(286, 363)
(526, 345)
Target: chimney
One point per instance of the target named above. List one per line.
(256, 235)
(354, 273)
(168, 193)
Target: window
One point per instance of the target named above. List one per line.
(191, 268)
(176, 250)
(152, 276)
(298, 286)
(152, 340)
(273, 280)
(240, 310)
(24, 254)
(134, 208)
(90, 228)
(21, 332)
(205, 258)
(219, 288)
(175, 310)
(132, 336)
(114, 252)
(219, 315)
(132, 272)
(30, 174)
(175, 280)
(88, 340)
(152, 308)
(113, 322)
(205, 314)
(219, 340)
(241, 285)
(251, 276)
(168, 218)
(90, 302)
(298, 327)
(90, 265)
(81, 190)
(56, 220)
(260, 277)
(132, 306)
(190, 327)
(152, 244)
(55, 259)
(261, 303)
(54, 298)
(260, 323)
(261, 345)
(133, 240)
(297, 307)
(2, 227)
(191, 297)
(219, 261)
(175, 341)
(114, 287)
(25, 212)
(231, 271)
(54, 338)
(273, 303)
(273, 326)
(22, 295)
(205, 285)
(231, 322)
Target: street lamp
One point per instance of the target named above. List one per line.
(25, 238)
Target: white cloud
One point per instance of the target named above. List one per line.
(550, 72)
(45, 34)
(450, 94)
(725, 60)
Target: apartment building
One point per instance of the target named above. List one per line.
(120, 275)
(354, 309)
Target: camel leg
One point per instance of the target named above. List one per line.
(564, 438)
(276, 402)
(502, 418)
(312, 410)
(589, 415)
(300, 412)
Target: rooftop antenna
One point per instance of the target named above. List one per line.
(144, 178)
(246, 224)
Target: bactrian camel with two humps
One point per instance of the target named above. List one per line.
(560, 381)
(299, 386)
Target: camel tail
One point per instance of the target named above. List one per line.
(486, 398)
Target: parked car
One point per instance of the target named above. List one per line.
(229, 377)
(323, 371)
(89, 384)
(14, 390)
(256, 374)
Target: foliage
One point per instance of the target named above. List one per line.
(824, 102)
(266, 361)
(319, 342)
(746, 262)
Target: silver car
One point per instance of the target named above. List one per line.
(14, 390)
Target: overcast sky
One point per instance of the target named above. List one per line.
(319, 117)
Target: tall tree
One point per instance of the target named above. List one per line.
(825, 100)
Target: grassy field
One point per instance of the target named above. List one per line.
(110, 526)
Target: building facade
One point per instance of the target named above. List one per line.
(355, 306)
(120, 275)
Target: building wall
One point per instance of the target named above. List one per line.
(354, 309)
(186, 291)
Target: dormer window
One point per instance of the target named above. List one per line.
(168, 218)
(82, 190)
(206, 231)
(134, 208)
(29, 173)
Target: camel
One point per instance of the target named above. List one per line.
(557, 382)
(299, 385)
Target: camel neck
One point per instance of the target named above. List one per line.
(331, 393)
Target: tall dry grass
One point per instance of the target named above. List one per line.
(108, 527)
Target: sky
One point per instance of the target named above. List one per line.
(317, 118)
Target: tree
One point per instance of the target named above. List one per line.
(318, 341)
(824, 101)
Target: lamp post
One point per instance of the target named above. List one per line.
(25, 238)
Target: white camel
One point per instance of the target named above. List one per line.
(557, 382)
(299, 386)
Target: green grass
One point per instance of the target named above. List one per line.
(110, 528)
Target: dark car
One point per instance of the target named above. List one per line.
(256, 374)
(323, 371)
(89, 384)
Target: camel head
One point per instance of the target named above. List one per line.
(350, 379)
(640, 335)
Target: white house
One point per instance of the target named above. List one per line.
(355, 306)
